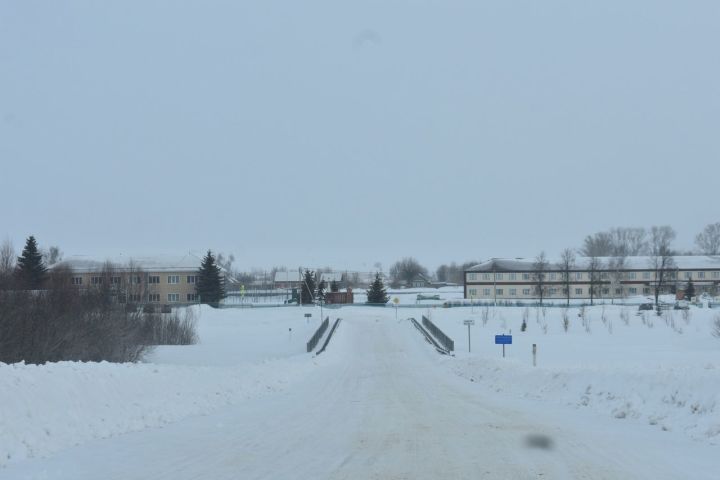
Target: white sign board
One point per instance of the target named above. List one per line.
(468, 322)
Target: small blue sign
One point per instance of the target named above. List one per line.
(503, 339)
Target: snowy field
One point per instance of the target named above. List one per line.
(241, 355)
(660, 371)
(618, 390)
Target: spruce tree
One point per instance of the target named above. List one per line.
(334, 287)
(307, 291)
(377, 293)
(210, 285)
(690, 290)
(31, 270)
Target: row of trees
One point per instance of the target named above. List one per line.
(660, 261)
(633, 241)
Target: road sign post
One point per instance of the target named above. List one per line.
(396, 300)
(534, 355)
(503, 340)
(307, 317)
(469, 323)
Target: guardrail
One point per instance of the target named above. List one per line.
(444, 340)
(327, 340)
(312, 343)
(429, 338)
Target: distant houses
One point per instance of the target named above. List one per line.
(287, 279)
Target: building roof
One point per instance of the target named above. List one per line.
(330, 277)
(156, 263)
(684, 262)
(289, 276)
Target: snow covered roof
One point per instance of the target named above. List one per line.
(156, 263)
(330, 277)
(291, 276)
(690, 262)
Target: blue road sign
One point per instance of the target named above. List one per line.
(503, 339)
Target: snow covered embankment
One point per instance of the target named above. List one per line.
(46, 408)
(674, 399)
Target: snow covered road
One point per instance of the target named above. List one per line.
(380, 406)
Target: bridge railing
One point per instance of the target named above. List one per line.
(312, 343)
(444, 340)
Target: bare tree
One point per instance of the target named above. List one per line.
(403, 271)
(566, 265)
(594, 267)
(628, 241)
(625, 241)
(597, 245)
(8, 258)
(617, 271)
(708, 241)
(539, 275)
(661, 257)
(52, 255)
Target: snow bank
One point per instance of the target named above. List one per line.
(674, 399)
(242, 354)
(661, 371)
(46, 408)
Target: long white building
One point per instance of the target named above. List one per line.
(516, 279)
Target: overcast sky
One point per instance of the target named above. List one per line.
(348, 133)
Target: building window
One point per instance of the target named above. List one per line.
(618, 291)
(526, 291)
(486, 292)
(498, 291)
(173, 297)
(471, 277)
(195, 278)
(700, 274)
(512, 276)
(578, 276)
(122, 298)
(77, 280)
(486, 276)
(192, 297)
(173, 279)
(513, 291)
(646, 291)
(96, 280)
(606, 291)
(688, 275)
(154, 279)
(646, 275)
(632, 291)
(498, 276)
(154, 297)
(604, 275)
(553, 291)
(552, 276)
(716, 274)
(472, 292)
(115, 280)
(134, 297)
(578, 291)
(630, 275)
(526, 276)
(134, 279)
